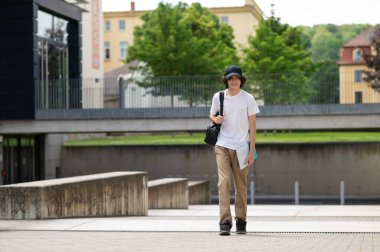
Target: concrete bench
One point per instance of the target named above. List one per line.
(105, 194)
(199, 192)
(168, 193)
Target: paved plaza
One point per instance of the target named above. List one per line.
(270, 228)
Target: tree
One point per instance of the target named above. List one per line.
(277, 58)
(325, 83)
(326, 41)
(325, 44)
(182, 41)
(372, 76)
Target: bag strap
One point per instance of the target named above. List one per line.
(221, 99)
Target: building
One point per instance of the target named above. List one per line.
(352, 87)
(92, 36)
(119, 26)
(92, 54)
(41, 41)
(42, 65)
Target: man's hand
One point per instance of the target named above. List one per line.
(218, 119)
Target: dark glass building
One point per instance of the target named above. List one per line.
(40, 50)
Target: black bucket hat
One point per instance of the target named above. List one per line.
(233, 70)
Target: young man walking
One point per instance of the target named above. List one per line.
(238, 128)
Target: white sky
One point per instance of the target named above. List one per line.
(293, 12)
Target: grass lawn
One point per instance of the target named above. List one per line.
(197, 138)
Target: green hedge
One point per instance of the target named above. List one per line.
(197, 138)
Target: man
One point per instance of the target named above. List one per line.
(238, 128)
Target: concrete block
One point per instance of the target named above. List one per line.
(199, 192)
(168, 193)
(105, 194)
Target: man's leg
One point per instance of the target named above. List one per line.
(240, 182)
(223, 162)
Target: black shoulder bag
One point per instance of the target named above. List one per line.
(212, 131)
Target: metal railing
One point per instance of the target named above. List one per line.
(195, 92)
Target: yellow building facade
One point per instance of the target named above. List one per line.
(352, 88)
(119, 26)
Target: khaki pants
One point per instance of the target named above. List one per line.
(228, 165)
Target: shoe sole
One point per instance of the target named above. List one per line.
(241, 232)
(224, 233)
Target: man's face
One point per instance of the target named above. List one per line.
(234, 81)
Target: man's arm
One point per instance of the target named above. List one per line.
(252, 136)
(216, 119)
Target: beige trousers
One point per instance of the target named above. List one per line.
(228, 165)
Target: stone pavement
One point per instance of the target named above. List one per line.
(270, 228)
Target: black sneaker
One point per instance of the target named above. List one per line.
(241, 225)
(225, 227)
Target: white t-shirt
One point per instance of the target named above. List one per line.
(234, 130)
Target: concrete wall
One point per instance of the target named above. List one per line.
(108, 194)
(1, 159)
(199, 192)
(358, 116)
(194, 162)
(168, 193)
(319, 168)
(53, 147)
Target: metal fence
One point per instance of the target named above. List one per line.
(161, 92)
(197, 91)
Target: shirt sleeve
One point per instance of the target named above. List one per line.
(215, 104)
(253, 108)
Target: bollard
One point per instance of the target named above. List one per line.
(296, 193)
(342, 192)
(121, 93)
(252, 191)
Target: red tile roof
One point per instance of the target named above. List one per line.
(363, 39)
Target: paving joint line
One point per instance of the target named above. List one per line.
(184, 231)
(68, 229)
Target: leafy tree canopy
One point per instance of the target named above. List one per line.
(372, 76)
(278, 58)
(277, 48)
(182, 40)
(326, 40)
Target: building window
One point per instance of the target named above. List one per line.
(107, 26)
(358, 75)
(121, 25)
(52, 27)
(358, 97)
(123, 50)
(224, 20)
(358, 55)
(107, 50)
(53, 49)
